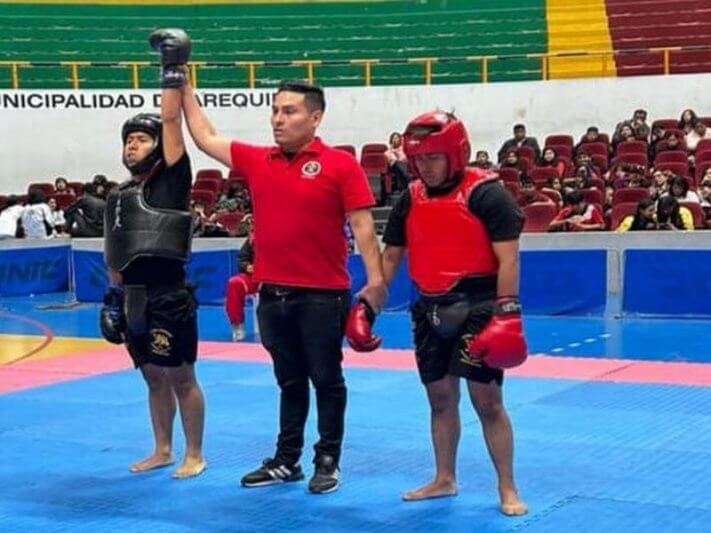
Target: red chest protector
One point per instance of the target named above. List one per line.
(446, 242)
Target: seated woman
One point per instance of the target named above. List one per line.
(672, 216)
(643, 219)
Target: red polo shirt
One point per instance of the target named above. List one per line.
(300, 207)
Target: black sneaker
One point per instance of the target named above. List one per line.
(271, 472)
(326, 474)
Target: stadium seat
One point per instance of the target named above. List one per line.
(553, 140)
(672, 156)
(697, 211)
(346, 148)
(538, 217)
(63, 200)
(620, 211)
(230, 220)
(631, 147)
(630, 195)
(214, 173)
(509, 175)
(46, 188)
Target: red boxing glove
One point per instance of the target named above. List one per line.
(501, 343)
(359, 328)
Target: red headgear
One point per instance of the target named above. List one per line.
(437, 132)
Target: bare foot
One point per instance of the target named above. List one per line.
(156, 460)
(436, 489)
(511, 504)
(191, 467)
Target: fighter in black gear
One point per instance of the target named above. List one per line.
(149, 306)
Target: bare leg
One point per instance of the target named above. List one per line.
(443, 396)
(498, 435)
(162, 407)
(192, 413)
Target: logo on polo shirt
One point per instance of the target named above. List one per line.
(310, 169)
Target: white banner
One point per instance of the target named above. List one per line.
(76, 134)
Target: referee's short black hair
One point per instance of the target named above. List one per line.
(313, 94)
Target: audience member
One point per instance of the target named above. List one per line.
(519, 139)
(578, 215)
(10, 218)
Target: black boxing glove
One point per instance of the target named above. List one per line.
(174, 47)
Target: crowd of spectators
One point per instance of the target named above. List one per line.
(642, 177)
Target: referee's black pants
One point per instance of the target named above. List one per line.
(303, 331)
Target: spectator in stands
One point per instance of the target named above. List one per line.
(583, 159)
(679, 189)
(397, 162)
(529, 194)
(519, 139)
(581, 180)
(672, 216)
(236, 198)
(687, 120)
(550, 159)
(624, 132)
(241, 285)
(101, 185)
(639, 125)
(578, 215)
(395, 153)
(482, 160)
(58, 222)
(670, 143)
(61, 186)
(556, 184)
(592, 135)
(700, 131)
(636, 177)
(660, 184)
(705, 193)
(85, 217)
(655, 138)
(205, 225)
(511, 160)
(643, 219)
(10, 217)
(37, 217)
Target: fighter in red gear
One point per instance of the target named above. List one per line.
(241, 285)
(460, 228)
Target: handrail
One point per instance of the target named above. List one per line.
(368, 64)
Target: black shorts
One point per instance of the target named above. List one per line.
(441, 354)
(171, 336)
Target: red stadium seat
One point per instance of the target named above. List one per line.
(566, 140)
(513, 187)
(697, 211)
(633, 159)
(553, 195)
(527, 152)
(374, 163)
(508, 174)
(76, 186)
(592, 196)
(666, 123)
(620, 211)
(631, 147)
(562, 149)
(373, 148)
(208, 184)
(63, 199)
(596, 148)
(538, 216)
(346, 148)
(704, 145)
(672, 156)
(630, 195)
(214, 173)
(230, 220)
(541, 175)
(680, 169)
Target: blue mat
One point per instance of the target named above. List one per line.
(590, 457)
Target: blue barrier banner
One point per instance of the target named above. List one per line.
(207, 270)
(570, 282)
(400, 292)
(667, 282)
(34, 270)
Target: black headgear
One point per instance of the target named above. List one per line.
(151, 124)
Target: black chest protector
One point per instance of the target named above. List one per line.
(134, 229)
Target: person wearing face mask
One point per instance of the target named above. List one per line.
(148, 306)
(467, 319)
(302, 192)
